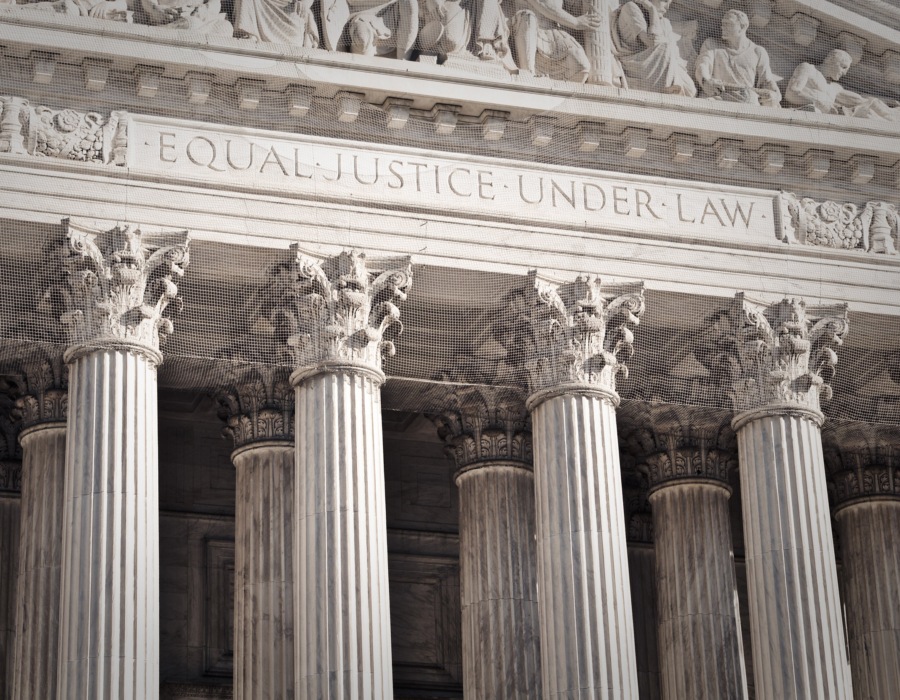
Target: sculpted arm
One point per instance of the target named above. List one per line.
(554, 10)
(703, 70)
(767, 80)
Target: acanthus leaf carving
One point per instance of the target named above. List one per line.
(774, 354)
(119, 284)
(257, 404)
(874, 228)
(39, 387)
(341, 310)
(862, 462)
(576, 333)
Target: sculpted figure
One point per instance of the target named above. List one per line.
(735, 69)
(543, 47)
(647, 47)
(279, 21)
(466, 28)
(818, 89)
(115, 10)
(196, 15)
(373, 26)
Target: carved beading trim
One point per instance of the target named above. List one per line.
(773, 357)
(257, 405)
(862, 463)
(339, 312)
(571, 336)
(489, 425)
(117, 288)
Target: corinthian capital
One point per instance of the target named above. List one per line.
(119, 285)
(673, 443)
(257, 404)
(488, 425)
(39, 387)
(774, 356)
(572, 335)
(862, 461)
(340, 312)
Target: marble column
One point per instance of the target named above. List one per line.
(489, 440)
(687, 454)
(864, 480)
(775, 361)
(120, 282)
(258, 405)
(10, 509)
(570, 338)
(43, 403)
(340, 314)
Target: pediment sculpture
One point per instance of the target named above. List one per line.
(204, 16)
(114, 10)
(371, 27)
(279, 21)
(816, 88)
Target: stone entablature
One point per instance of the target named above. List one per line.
(863, 462)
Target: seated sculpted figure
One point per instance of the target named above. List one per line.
(115, 10)
(374, 27)
(280, 21)
(466, 28)
(543, 47)
(196, 15)
(818, 89)
(735, 69)
(647, 48)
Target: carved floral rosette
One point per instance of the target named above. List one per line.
(488, 425)
(118, 288)
(39, 387)
(874, 228)
(572, 335)
(777, 356)
(68, 134)
(341, 311)
(257, 404)
(862, 462)
(671, 444)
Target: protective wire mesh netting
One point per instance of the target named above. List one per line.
(452, 313)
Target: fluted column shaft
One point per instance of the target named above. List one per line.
(871, 554)
(342, 630)
(699, 620)
(109, 611)
(10, 508)
(795, 613)
(263, 586)
(501, 643)
(40, 559)
(587, 635)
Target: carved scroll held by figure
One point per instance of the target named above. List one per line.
(817, 89)
(373, 27)
(201, 16)
(543, 48)
(279, 21)
(735, 69)
(648, 50)
(114, 10)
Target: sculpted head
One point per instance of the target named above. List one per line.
(836, 64)
(662, 6)
(734, 24)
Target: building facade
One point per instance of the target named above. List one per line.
(450, 349)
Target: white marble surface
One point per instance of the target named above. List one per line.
(40, 559)
(871, 558)
(342, 636)
(501, 639)
(795, 613)
(699, 620)
(587, 635)
(264, 572)
(109, 611)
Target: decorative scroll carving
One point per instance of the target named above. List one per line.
(875, 228)
(774, 354)
(257, 404)
(577, 333)
(671, 443)
(863, 461)
(489, 424)
(68, 134)
(342, 310)
(119, 284)
(39, 387)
